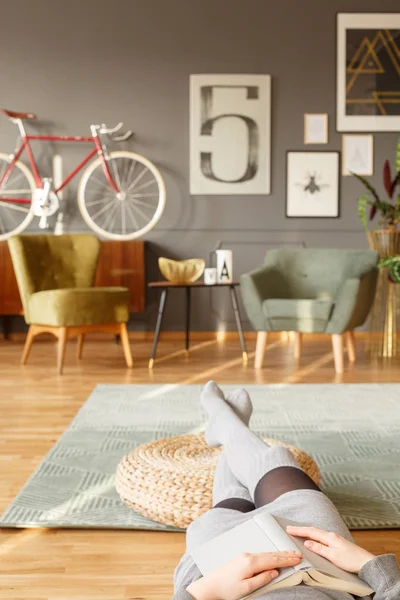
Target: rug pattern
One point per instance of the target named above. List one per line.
(351, 430)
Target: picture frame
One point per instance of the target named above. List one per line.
(368, 72)
(313, 184)
(315, 128)
(230, 134)
(358, 154)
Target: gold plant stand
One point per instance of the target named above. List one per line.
(385, 314)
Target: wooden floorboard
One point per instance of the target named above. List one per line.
(36, 405)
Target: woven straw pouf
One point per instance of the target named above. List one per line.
(171, 480)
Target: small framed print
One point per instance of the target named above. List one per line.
(358, 155)
(315, 128)
(313, 188)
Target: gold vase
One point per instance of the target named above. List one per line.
(385, 313)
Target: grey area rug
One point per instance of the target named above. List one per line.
(352, 431)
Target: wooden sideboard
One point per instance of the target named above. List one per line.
(120, 264)
(123, 264)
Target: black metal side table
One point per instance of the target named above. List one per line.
(165, 286)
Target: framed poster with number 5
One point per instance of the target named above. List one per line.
(230, 139)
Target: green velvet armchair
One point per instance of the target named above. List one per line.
(311, 291)
(55, 276)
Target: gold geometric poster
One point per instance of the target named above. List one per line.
(368, 72)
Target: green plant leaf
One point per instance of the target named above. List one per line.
(395, 183)
(369, 187)
(395, 272)
(393, 263)
(385, 207)
(387, 262)
(362, 210)
(398, 157)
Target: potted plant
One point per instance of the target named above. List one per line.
(386, 238)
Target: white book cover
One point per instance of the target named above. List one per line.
(265, 533)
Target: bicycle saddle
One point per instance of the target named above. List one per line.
(18, 115)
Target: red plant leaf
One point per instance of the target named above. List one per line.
(387, 178)
(372, 211)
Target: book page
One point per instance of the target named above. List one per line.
(356, 586)
(318, 562)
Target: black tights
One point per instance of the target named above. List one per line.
(272, 485)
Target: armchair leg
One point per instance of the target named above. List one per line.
(28, 343)
(351, 347)
(62, 342)
(337, 344)
(125, 345)
(79, 346)
(260, 349)
(298, 338)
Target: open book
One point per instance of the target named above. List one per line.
(265, 533)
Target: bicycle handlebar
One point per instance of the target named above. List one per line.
(103, 129)
(122, 138)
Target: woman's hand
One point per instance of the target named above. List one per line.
(334, 547)
(242, 575)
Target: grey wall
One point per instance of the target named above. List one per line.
(78, 62)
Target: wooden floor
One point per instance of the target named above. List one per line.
(36, 406)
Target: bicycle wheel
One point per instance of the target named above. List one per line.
(131, 213)
(16, 208)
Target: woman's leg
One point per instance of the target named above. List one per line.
(279, 481)
(267, 472)
(228, 492)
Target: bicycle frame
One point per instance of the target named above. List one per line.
(25, 145)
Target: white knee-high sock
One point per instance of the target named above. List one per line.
(248, 457)
(226, 485)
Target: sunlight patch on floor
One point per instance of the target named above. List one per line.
(183, 352)
(237, 362)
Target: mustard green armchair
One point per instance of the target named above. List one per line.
(55, 276)
(311, 291)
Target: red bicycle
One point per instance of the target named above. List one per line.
(121, 194)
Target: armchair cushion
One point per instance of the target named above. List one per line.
(297, 315)
(70, 307)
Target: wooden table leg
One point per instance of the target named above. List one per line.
(238, 322)
(187, 319)
(160, 315)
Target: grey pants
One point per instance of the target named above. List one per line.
(307, 507)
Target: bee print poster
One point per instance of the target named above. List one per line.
(312, 184)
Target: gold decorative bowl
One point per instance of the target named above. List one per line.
(181, 271)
